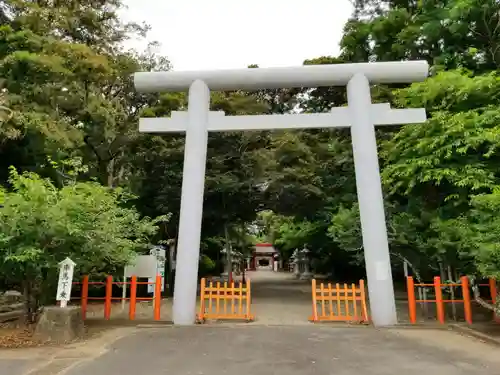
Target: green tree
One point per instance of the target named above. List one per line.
(67, 81)
(482, 233)
(448, 33)
(40, 225)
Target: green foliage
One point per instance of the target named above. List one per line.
(433, 171)
(69, 112)
(482, 231)
(448, 34)
(40, 225)
(206, 267)
(345, 228)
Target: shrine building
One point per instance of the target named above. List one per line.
(264, 257)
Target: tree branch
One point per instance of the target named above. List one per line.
(413, 268)
(479, 300)
(87, 141)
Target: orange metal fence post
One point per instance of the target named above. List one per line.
(233, 295)
(249, 301)
(355, 303)
(157, 304)
(412, 303)
(363, 300)
(224, 297)
(493, 294)
(345, 299)
(467, 302)
(211, 294)
(217, 298)
(107, 300)
(201, 315)
(314, 302)
(85, 295)
(322, 299)
(330, 301)
(439, 299)
(240, 299)
(133, 297)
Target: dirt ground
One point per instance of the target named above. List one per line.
(16, 335)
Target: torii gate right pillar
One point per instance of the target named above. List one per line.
(371, 203)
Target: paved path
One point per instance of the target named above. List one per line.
(253, 349)
(278, 298)
(290, 350)
(280, 342)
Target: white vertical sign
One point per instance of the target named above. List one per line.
(65, 283)
(160, 254)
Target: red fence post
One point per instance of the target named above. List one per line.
(493, 294)
(107, 300)
(133, 297)
(439, 299)
(157, 297)
(412, 303)
(85, 296)
(467, 303)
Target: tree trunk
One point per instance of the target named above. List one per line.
(28, 313)
(110, 169)
(452, 293)
(229, 258)
(441, 271)
(171, 268)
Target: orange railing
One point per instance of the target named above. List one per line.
(219, 301)
(346, 303)
(440, 302)
(109, 298)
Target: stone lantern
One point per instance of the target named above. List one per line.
(306, 275)
(237, 260)
(228, 263)
(296, 263)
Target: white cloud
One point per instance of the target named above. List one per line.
(222, 34)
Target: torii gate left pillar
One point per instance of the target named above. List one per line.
(360, 114)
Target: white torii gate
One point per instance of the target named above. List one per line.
(360, 114)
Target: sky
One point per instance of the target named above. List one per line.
(231, 34)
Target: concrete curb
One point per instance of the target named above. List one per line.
(163, 324)
(476, 334)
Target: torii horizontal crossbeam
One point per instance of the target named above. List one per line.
(273, 78)
(339, 117)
